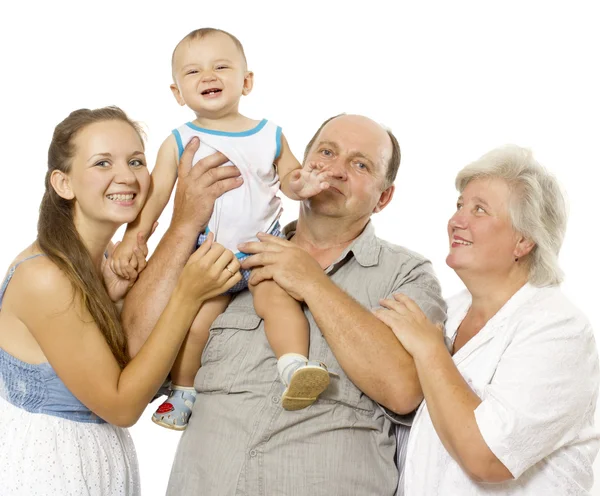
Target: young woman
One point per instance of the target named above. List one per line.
(67, 384)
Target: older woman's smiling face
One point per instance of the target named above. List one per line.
(481, 234)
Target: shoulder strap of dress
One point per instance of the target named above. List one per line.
(11, 271)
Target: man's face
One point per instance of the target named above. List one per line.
(357, 152)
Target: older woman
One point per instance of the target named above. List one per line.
(513, 402)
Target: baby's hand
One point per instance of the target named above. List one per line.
(117, 286)
(310, 180)
(123, 260)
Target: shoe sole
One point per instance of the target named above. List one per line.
(305, 387)
(168, 426)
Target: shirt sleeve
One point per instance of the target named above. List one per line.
(543, 390)
(421, 285)
(397, 418)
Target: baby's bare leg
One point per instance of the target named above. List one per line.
(287, 330)
(189, 359)
(286, 326)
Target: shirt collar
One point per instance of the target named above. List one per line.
(365, 248)
(521, 296)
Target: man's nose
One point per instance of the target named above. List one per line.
(337, 168)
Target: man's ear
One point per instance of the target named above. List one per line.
(384, 199)
(177, 94)
(248, 83)
(61, 184)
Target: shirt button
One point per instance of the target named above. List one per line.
(253, 453)
(274, 399)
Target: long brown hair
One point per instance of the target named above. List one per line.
(59, 240)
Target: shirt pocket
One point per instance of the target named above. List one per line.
(224, 354)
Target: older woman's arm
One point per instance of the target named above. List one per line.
(450, 400)
(543, 389)
(452, 404)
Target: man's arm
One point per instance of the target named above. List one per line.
(197, 189)
(365, 348)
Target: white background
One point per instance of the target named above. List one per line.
(451, 79)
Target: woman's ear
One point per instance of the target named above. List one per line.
(524, 247)
(61, 184)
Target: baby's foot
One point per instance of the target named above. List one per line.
(305, 381)
(175, 412)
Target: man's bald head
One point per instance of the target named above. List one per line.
(392, 158)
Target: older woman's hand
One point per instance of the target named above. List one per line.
(410, 325)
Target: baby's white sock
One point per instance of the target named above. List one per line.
(287, 364)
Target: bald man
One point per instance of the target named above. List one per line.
(240, 441)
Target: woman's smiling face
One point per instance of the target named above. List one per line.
(481, 235)
(108, 178)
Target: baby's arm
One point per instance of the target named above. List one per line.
(297, 182)
(164, 176)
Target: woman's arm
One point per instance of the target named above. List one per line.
(78, 351)
(543, 390)
(450, 401)
(451, 404)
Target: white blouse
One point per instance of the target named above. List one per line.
(535, 367)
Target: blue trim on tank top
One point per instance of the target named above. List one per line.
(278, 141)
(241, 134)
(179, 142)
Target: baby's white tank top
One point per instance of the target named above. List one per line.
(240, 213)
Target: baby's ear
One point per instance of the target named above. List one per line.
(62, 185)
(248, 83)
(177, 94)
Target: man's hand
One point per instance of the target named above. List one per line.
(199, 186)
(293, 268)
(309, 181)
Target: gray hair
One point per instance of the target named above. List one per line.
(536, 208)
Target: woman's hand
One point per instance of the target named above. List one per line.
(410, 325)
(210, 271)
(117, 286)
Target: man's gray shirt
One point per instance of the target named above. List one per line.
(240, 441)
